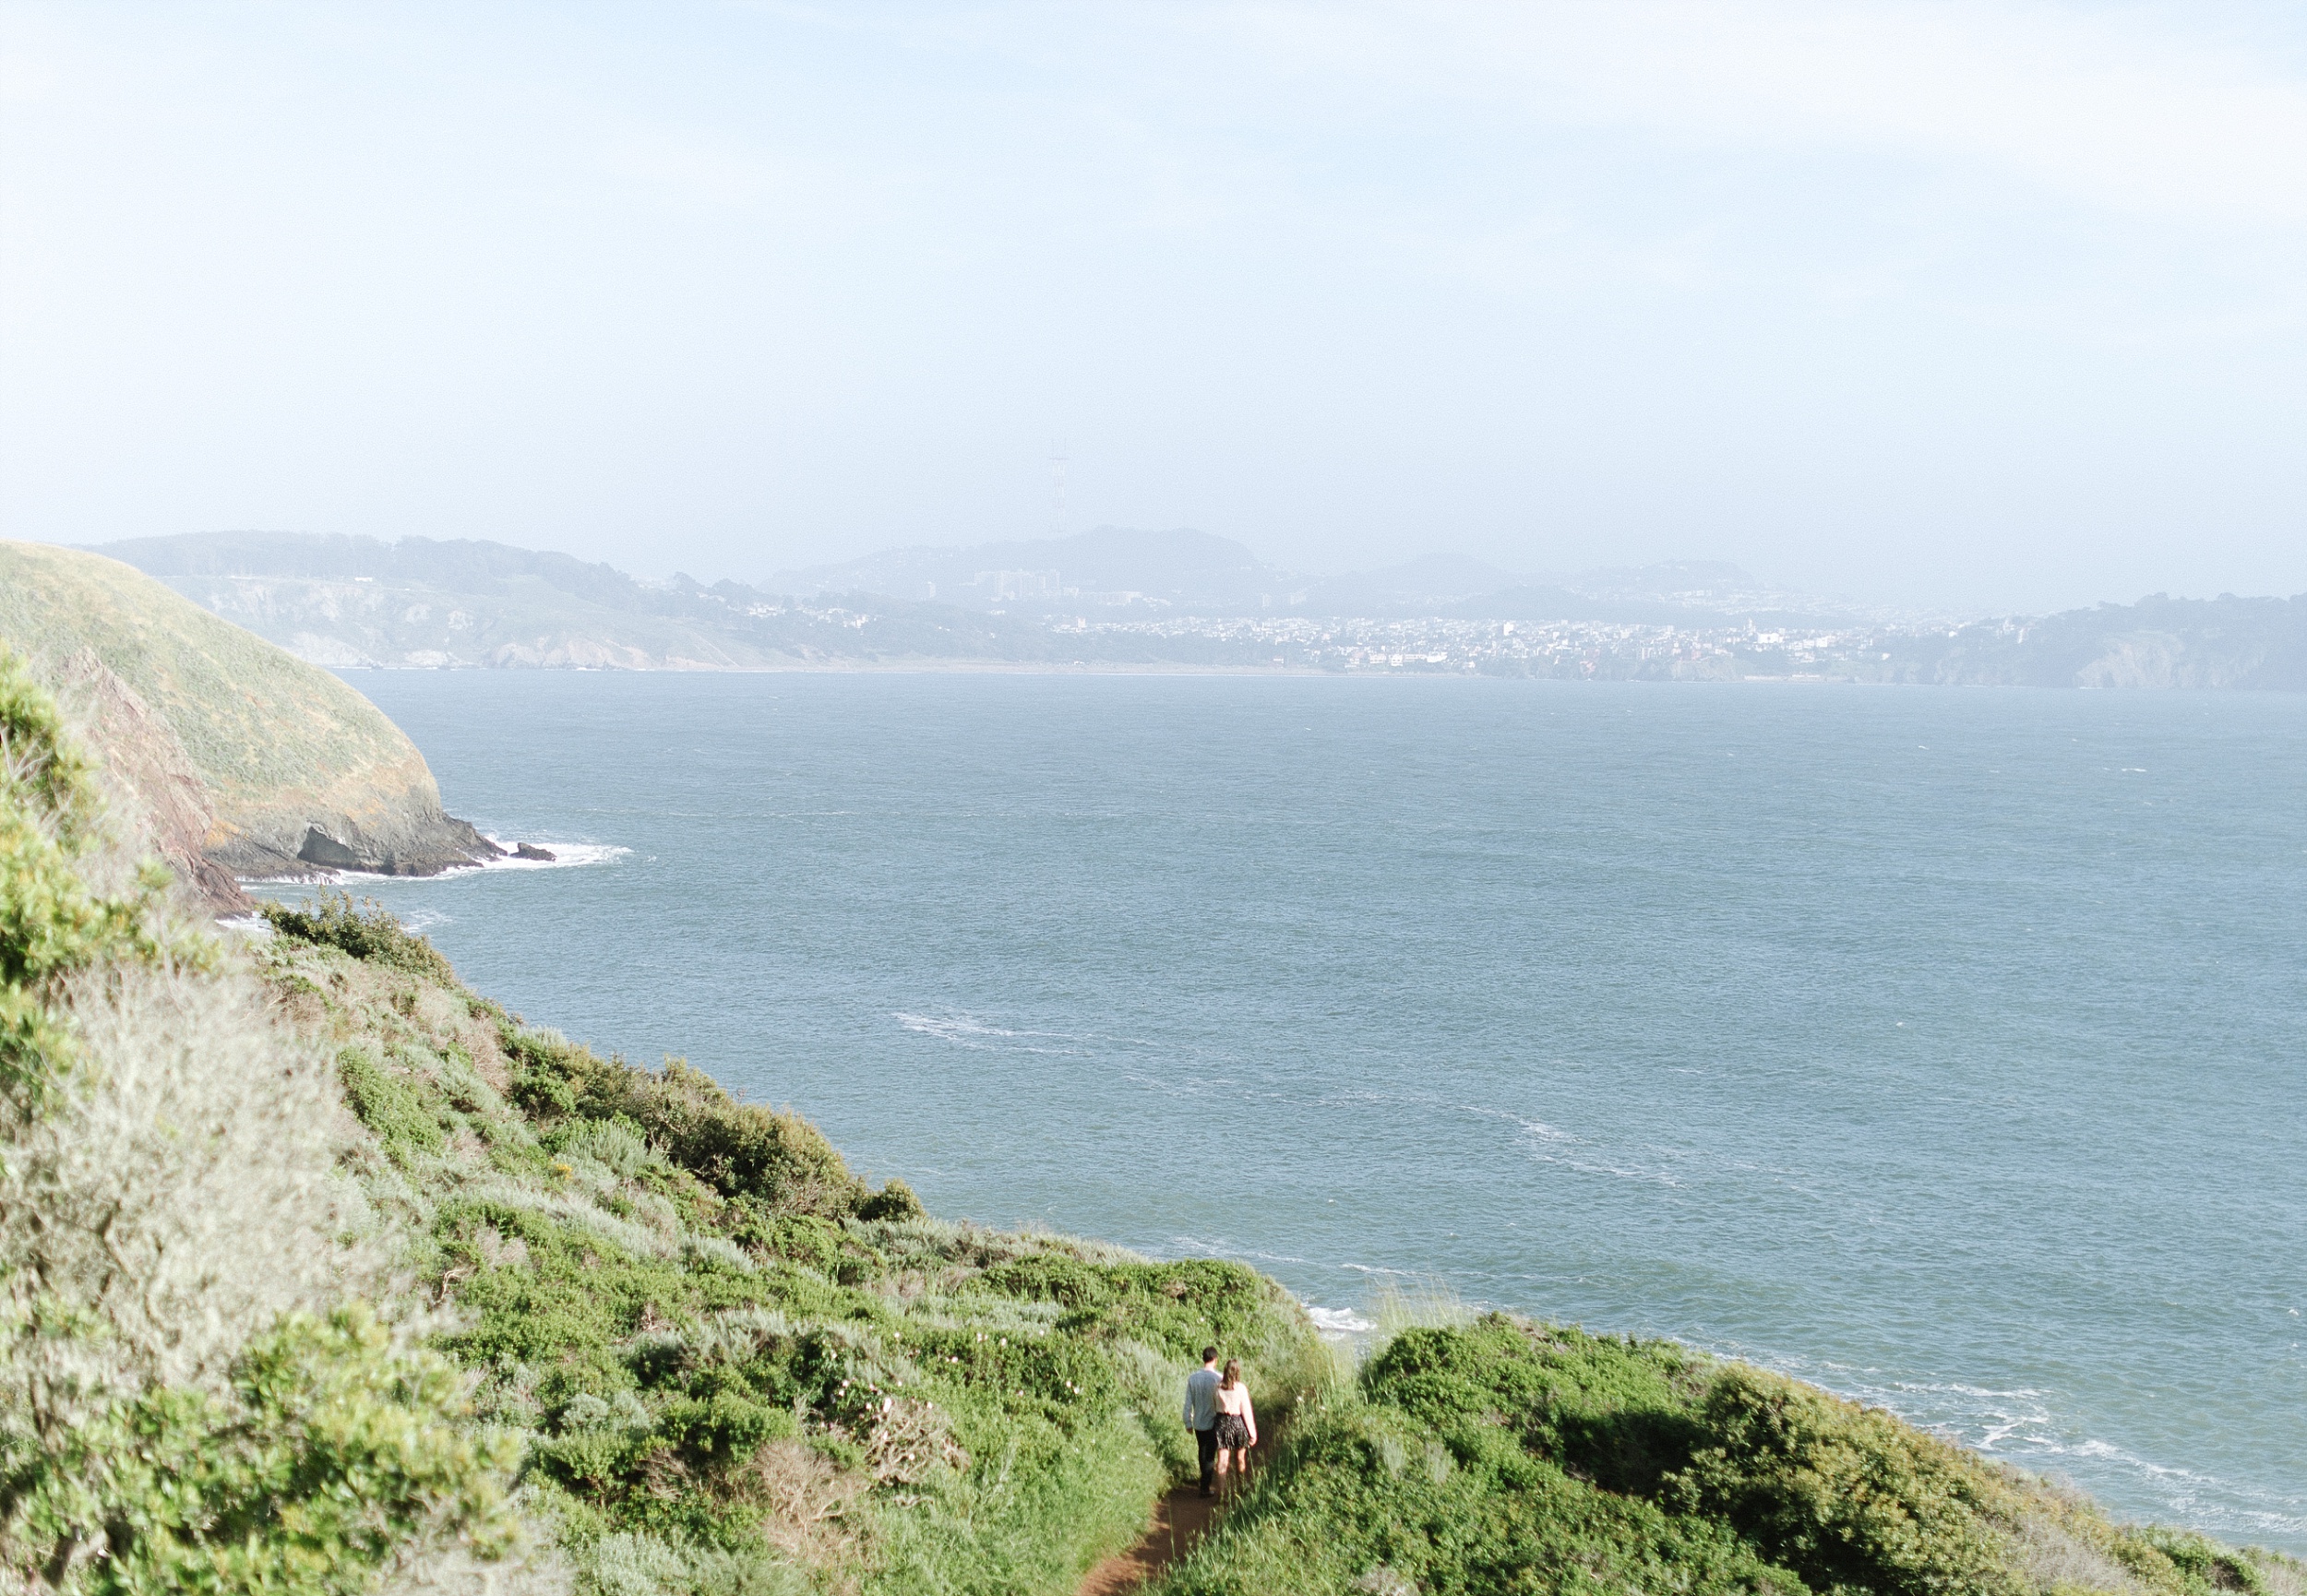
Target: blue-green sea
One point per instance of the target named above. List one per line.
(1946, 1047)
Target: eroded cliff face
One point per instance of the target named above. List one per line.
(299, 773)
(156, 794)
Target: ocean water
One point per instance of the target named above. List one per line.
(1942, 1046)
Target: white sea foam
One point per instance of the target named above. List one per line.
(963, 1030)
(1339, 1323)
(566, 855)
(1207, 1247)
(1551, 1144)
(950, 1026)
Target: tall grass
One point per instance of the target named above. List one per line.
(1419, 1304)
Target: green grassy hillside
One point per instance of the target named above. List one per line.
(280, 745)
(733, 1364)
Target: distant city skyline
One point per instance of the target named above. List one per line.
(1992, 307)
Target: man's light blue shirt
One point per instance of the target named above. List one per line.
(1201, 1400)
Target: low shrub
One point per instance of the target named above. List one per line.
(401, 1113)
(741, 1151)
(56, 917)
(367, 931)
(333, 1453)
(1846, 1495)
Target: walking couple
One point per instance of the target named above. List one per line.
(1225, 1426)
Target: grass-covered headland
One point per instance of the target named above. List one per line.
(322, 1273)
(732, 1365)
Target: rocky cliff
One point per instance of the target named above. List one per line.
(295, 772)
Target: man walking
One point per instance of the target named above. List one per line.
(1201, 1412)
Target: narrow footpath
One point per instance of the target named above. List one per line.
(1181, 1519)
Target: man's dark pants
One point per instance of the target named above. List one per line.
(1206, 1442)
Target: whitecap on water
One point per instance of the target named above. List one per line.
(1339, 1323)
(566, 855)
(963, 1030)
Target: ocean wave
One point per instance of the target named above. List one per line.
(1339, 1323)
(963, 1030)
(1551, 1144)
(566, 855)
(1205, 1247)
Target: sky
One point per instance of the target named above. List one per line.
(2002, 307)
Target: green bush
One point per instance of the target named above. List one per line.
(367, 931)
(1364, 1497)
(741, 1151)
(401, 1113)
(894, 1203)
(1618, 1412)
(52, 920)
(333, 1452)
(1507, 1455)
(1178, 1307)
(1848, 1497)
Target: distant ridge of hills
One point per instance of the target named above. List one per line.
(1168, 600)
(1186, 572)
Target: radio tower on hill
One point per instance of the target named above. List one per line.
(1057, 488)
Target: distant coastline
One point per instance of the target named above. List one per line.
(1176, 603)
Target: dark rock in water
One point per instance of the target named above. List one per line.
(531, 850)
(445, 843)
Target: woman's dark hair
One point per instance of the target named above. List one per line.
(1233, 1373)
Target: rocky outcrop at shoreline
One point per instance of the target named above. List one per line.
(280, 767)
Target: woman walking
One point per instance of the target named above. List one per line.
(1236, 1428)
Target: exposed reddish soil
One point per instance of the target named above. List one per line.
(1180, 1519)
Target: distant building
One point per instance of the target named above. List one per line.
(1002, 586)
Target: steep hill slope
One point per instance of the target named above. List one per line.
(297, 769)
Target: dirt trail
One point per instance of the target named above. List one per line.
(1180, 1519)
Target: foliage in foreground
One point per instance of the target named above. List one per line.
(737, 1366)
(1507, 1456)
(192, 1398)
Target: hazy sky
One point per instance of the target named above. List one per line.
(2001, 305)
